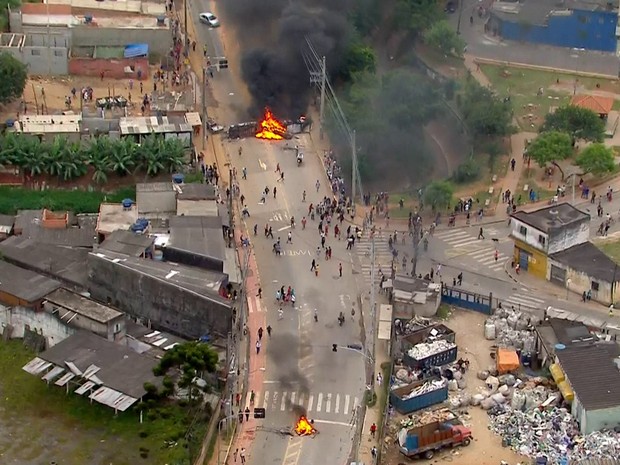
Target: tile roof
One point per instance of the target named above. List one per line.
(596, 103)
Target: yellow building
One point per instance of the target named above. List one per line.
(544, 232)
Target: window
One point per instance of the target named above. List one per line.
(542, 240)
(594, 286)
(523, 230)
(59, 53)
(35, 52)
(117, 328)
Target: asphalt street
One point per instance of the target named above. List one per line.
(486, 46)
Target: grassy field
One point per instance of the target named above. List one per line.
(42, 424)
(522, 86)
(13, 199)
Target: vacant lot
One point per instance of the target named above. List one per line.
(41, 424)
(522, 86)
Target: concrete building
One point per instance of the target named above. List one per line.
(585, 268)
(80, 312)
(106, 372)
(196, 241)
(197, 200)
(63, 264)
(412, 296)
(544, 232)
(554, 331)
(582, 24)
(42, 53)
(156, 200)
(593, 377)
(56, 228)
(183, 300)
(97, 28)
(24, 288)
(129, 243)
(115, 217)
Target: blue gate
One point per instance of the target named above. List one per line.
(465, 299)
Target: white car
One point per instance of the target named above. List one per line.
(209, 18)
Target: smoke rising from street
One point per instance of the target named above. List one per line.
(272, 33)
(292, 379)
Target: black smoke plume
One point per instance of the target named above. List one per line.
(273, 35)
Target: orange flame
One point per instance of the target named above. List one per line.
(270, 128)
(304, 427)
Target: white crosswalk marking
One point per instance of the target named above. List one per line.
(280, 216)
(519, 300)
(466, 242)
(487, 258)
(329, 403)
(383, 256)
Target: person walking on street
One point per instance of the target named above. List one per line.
(373, 452)
(242, 455)
(260, 333)
(316, 270)
(340, 269)
(260, 293)
(247, 414)
(373, 429)
(269, 330)
(480, 234)
(240, 415)
(252, 396)
(258, 345)
(274, 192)
(235, 454)
(460, 278)
(513, 162)
(313, 266)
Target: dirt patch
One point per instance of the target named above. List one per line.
(486, 448)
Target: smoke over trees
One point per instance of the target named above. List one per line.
(273, 33)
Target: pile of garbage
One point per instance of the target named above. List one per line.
(553, 433)
(428, 349)
(511, 329)
(413, 325)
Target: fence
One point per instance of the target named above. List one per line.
(465, 299)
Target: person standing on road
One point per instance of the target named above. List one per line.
(235, 454)
(242, 455)
(303, 196)
(373, 429)
(480, 234)
(269, 330)
(316, 270)
(313, 266)
(258, 345)
(289, 238)
(247, 414)
(244, 171)
(460, 278)
(318, 185)
(260, 333)
(274, 192)
(260, 293)
(340, 269)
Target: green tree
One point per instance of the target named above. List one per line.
(173, 154)
(438, 194)
(13, 75)
(192, 359)
(442, 36)
(357, 59)
(596, 159)
(366, 15)
(466, 172)
(483, 112)
(580, 123)
(551, 147)
(123, 154)
(416, 15)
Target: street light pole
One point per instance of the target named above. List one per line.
(321, 109)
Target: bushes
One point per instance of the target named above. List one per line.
(467, 172)
(13, 199)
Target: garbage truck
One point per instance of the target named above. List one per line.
(425, 440)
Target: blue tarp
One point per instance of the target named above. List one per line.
(136, 50)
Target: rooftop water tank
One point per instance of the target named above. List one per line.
(88, 19)
(161, 20)
(178, 178)
(127, 204)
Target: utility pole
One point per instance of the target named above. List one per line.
(205, 112)
(353, 169)
(321, 109)
(186, 44)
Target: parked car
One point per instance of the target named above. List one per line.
(214, 127)
(209, 19)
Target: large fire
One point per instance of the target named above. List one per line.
(270, 128)
(304, 427)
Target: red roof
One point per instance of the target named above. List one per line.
(596, 103)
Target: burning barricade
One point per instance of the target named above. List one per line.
(304, 427)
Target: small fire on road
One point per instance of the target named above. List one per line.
(270, 128)
(304, 427)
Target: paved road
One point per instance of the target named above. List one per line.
(484, 46)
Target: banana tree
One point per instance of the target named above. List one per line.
(150, 155)
(29, 156)
(98, 156)
(122, 156)
(173, 154)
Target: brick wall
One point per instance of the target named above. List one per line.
(111, 68)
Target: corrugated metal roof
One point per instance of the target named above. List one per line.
(153, 125)
(36, 366)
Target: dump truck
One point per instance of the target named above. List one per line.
(425, 440)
